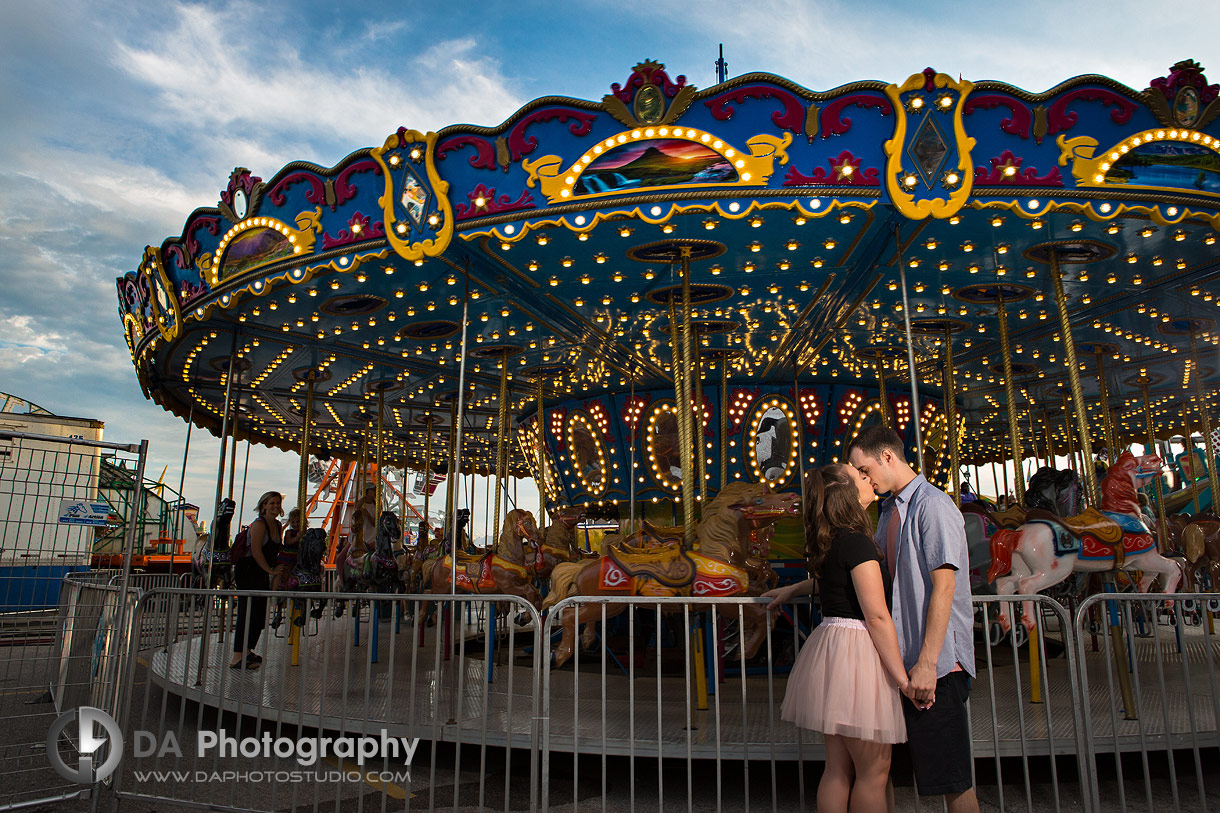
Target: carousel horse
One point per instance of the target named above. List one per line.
(306, 575)
(1048, 548)
(214, 548)
(1201, 540)
(1054, 490)
(503, 570)
(733, 529)
(375, 571)
(559, 541)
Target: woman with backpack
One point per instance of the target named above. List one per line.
(252, 571)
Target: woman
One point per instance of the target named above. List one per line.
(847, 677)
(253, 572)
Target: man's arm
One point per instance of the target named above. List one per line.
(923, 676)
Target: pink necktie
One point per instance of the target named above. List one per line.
(891, 541)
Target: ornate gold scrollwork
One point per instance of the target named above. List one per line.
(390, 156)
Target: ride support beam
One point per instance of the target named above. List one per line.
(1014, 435)
(1069, 349)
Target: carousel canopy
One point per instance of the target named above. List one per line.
(563, 232)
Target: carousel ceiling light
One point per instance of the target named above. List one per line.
(997, 221)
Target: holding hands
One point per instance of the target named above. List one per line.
(921, 686)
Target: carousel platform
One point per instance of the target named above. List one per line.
(412, 691)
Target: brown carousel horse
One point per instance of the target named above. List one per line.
(724, 565)
(501, 571)
(559, 542)
(1048, 548)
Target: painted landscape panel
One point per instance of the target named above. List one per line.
(1169, 164)
(662, 162)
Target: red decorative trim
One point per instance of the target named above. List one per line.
(212, 224)
(315, 195)
(239, 178)
(928, 76)
(491, 204)
(857, 177)
(1186, 73)
(1019, 119)
(367, 231)
(792, 117)
(1059, 119)
(647, 73)
(484, 156)
(1021, 177)
(344, 191)
(521, 145)
(832, 121)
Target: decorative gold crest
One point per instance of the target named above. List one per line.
(164, 301)
(405, 205)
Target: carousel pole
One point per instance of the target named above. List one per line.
(501, 440)
(724, 418)
(1069, 349)
(380, 449)
(451, 481)
(459, 416)
(1201, 406)
(886, 417)
(700, 446)
(1106, 417)
(906, 321)
(1161, 542)
(294, 632)
(220, 480)
(186, 451)
(541, 451)
(1073, 462)
(679, 338)
(631, 475)
(1010, 393)
(1046, 427)
(1188, 449)
(951, 419)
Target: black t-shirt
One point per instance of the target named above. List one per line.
(847, 550)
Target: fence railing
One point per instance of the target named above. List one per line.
(1112, 707)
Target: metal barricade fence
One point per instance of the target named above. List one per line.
(1149, 678)
(667, 700)
(60, 638)
(452, 713)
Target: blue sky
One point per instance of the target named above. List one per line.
(118, 119)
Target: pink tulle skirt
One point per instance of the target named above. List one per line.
(838, 686)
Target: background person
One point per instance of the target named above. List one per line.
(847, 677)
(923, 537)
(253, 572)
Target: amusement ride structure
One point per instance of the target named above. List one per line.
(997, 274)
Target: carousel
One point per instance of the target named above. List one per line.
(664, 305)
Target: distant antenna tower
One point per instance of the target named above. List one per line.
(722, 67)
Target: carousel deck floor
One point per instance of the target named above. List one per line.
(338, 688)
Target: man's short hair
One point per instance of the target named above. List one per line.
(876, 439)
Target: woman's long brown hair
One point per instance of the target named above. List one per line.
(831, 504)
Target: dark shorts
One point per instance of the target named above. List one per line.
(939, 738)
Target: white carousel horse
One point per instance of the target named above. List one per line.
(1047, 549)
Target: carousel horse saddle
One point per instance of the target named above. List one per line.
(670, 565)
(1013, 517)
(1090, 522)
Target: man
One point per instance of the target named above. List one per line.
(922, 536)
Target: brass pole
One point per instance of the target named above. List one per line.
(306, 426)
(1010, 394)
(427, 529)
(541, 455)
(1161, 542)
(951, 419)
(1106, 417)
(1067, 431)
(1201, 406)
(724, 421)
(380, 449)
(501, 439)
(1188, 449)
(700, 445)
(688, 442)
(451, 487)
(1069, 348)
(1046, 426)
(886, 417)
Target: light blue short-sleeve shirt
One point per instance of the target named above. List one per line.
(932, 535)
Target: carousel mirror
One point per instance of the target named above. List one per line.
(773, 441)
(586, 454)
(664, 450)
